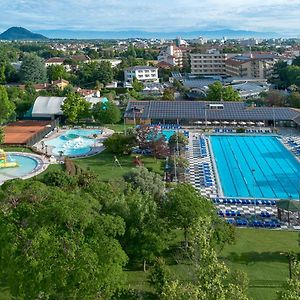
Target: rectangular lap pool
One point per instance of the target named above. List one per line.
(256, 166)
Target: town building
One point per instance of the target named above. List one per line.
(141, 73)
(256, 65)
(210, 63)
(174, 55)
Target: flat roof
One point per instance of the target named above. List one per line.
(199, 110)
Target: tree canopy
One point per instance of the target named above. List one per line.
(33, 70)
(61, 241)
(75, 107)
(106, 113)
(7, 107)
(217, 92)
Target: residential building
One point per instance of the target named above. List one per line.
(173, 55)
(141, 73)
(258, 65)
(211, 63)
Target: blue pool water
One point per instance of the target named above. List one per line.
(74, 142)
(168, 133)
(26, 166)
(256, 166)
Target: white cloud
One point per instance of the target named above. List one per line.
(162, 15)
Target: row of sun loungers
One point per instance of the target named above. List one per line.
(273, 223)
(256, 202)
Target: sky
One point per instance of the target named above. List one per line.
(281, 16)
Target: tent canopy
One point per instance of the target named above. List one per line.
(289, 205)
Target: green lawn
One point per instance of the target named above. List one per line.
(103, 164)
(257, 252)
(16, 149)
(118, 127)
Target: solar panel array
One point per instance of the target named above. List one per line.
(196, 110)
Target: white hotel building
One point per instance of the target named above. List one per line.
(141, 73)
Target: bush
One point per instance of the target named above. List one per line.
(240, 130)
(120, 144)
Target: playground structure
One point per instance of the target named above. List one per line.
(4, 163)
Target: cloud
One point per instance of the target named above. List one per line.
(161, 15)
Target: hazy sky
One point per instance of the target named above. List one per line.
(281, 16)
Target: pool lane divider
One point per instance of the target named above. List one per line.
(215, 169)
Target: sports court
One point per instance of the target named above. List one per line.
(23, 132)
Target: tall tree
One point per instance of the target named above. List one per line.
(106, 113)
(90, 73)
(55, 72)
(61, 241)
(33, 70)
(7, 107)
(75, 107)
(146, 233)
(146, 181)
(184, 206)
(216, 92)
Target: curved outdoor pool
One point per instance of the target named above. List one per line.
(26, 166)
(74, 142)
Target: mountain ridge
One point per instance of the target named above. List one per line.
(126, 34)
(20, 33)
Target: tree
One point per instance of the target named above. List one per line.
(1, 135)
(146, 233)
(120, 144)
(275, 97)
(75, 107)
(137, 85)
(168, 94)
(230, 94)
(146, 181)
(178, 138)
(90, 73)
(216, 92)
(7, 107)
(106, 113)
(33, 70)
(184, 206)
(212, 276)
(159, 275)
(291, 289)
(181, 165)
(159, 147)
(55, 72)
(61, 241)
(296, 61)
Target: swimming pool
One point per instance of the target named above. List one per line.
(26, 166)
(256, 166)
(74, 142)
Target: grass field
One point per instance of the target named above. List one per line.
(103, 164)
(257, 252)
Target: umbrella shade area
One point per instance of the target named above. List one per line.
(242, 123)
(233, 123)
(289, 205)
(208, 122)
(198, 122)
(216, 122)
(289, 211)
(225, 123)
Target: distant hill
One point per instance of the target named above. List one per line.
(229, 33)
(20, 33)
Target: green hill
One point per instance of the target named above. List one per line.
(20, 33)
